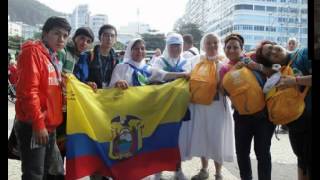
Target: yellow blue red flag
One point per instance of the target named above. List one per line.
(125, 134)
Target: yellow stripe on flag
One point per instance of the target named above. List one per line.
(91, 112)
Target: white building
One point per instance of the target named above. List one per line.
(79, 17)
(96, 22)
(28, 31)
(14, 29)
(21, 29)
(135, 28)
(124, 38)
(197, 12)
(255, 20)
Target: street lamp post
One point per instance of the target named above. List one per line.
(138, 14)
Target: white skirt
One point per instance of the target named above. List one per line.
(209, 133)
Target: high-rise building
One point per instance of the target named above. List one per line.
(255, 20)
(14, 29)
(125, 38)
(28, 31)
(79, 17)
(96, 22)
(197, 12)
(135, 28)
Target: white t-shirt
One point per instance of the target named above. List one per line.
(187, 54)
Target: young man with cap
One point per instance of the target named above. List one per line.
(39, 101)
(81, 41)
(69, 56)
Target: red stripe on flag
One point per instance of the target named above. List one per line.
(146, 164)
(135, 168)
(84, 166)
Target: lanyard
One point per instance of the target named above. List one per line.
(56, 64)
(103, 72)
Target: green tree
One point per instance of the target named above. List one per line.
(154, 41)
(14, 42)
(37, 35)
(119, 46)
(183, 27)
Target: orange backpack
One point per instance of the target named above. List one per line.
(203, 82)
(244, 91)
(285, 105)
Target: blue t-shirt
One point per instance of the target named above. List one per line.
(302, 66)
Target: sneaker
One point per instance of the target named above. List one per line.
(202, 175)
(178, 175)
(218, 177)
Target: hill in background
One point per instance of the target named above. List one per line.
(31, 12)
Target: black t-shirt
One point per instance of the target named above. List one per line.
(101, 67)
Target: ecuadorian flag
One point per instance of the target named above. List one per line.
(125, 134)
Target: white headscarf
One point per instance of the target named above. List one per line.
(172, 38)
(127, 55)
(220, 48)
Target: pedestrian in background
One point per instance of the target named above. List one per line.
(188, 49)
(292, 44)
(156, 56)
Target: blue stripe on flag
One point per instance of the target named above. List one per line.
(165, 136)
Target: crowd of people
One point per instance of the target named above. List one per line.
(217, 131)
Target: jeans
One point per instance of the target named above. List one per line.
(300, 140)
(35, 163)
(255, 126)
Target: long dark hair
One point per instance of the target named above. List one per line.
(259, 56)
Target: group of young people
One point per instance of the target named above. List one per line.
(216, 131)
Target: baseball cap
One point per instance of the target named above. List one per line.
(84, 31)
(174, 39)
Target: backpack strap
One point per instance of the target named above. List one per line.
(91, 53)
(259, 78)
(192, 52)
(294, 58)
(288, 66)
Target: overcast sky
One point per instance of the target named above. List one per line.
(159, 14)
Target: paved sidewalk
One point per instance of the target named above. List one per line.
(190, 168)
